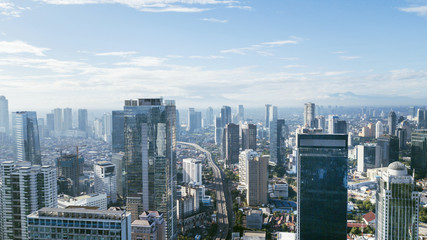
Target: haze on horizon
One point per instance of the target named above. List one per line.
(95, 54)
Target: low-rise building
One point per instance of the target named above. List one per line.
(90, 200)
(149, 226)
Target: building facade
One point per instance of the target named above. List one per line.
(192, 171)
(309, 114)
(230, 144)
(106, 179)
(248, 136)
(26, 137)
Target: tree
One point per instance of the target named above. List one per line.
(355, 231)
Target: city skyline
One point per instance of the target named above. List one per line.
(211, 52)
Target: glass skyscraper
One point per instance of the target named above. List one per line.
(322, 186)
(149, 161)
(26, 137)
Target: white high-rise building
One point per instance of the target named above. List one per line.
(105, 179)
(379, 129)
(26, 137)
(57, 116)
(68, 119)
(24, 189)
(92, 200)
(244, 158)
(108, 127)
(4, 115)
(192, 171)
(309, 113)
(397, 204)
(332, 121)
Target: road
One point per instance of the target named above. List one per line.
(223, 199)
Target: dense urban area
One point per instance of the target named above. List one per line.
(151, 171)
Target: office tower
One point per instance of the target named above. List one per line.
(321, 123)
(117, 136)
(218, 131)
(273, 114)
(71, 166)
(50, 121)
(278, 134)
(309, 113)
(244, 157)
(379, 129)
(256, 180)
(241, 114)
(401, 135)
(248, 136)
(267, 115)
(108, 127)
(4, 115)
(387, 150)
(392, 122)
(209, 117)
(98, 129)
(24, 189)
(365, 157)
(68, 119)
(150, 225)
(230, 144)
(194, 120)
(106, 179)
(332, 124)
(42, 129)
(412, 112)
(421, 119)
(177, 125)
(96, 200)
(26, 137)
(192, 171)
(322, 186)
(372, 130)
(82, 120)
(419, 151)
(117, 159)
(341, 127)
(397, 204)
(57, 115)
(78, 223)
(225, 115)
(150, 164)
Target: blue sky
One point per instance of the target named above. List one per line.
(92, 53)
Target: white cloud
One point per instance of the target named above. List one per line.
(20, 47)
(349, 57)
(281, 42)
(206, 57)
(294, 66)
(419, 10)
(260, 48)
(119, 54)
(152, 5)
(145, 61)
(336, 73)
(214, 20)
(290, 58)
(240, 7)
(339, 52)
(53, 65)
(9, 9)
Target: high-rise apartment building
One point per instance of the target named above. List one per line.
(230, 144)
(218, 131)
(24, 189)
(108, 127)
(387, 150)
(241, 114)
(118, 139)
(78, 223)
(332, 121)
(82, 120)
(321, 123)
(278, 134)
(267, 115)
(379, 129)
(392, 122)
(57, 115)
(419, 151)
(248, 136)
(194, 120)
(50, 121)
(397, 204)
(365, 157)
(150, 164)
(309, 114)
(322, 186)
(244, 157)
(68, 119)
(70, 166)
(26, 137)
(4, 115)
(209, 117)
(192, 171)
(256, 180)
(106, 179)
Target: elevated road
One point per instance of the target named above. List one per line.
(223, 199)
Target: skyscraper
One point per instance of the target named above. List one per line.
(267, 115)
(118, 139)
(192, 171)
(321, 123)
(322, 186)
(194, 120)
(57, 114)
(397, 204)
(241, 114)
(379, 129)
(332, 124)
(225, 115)
(278, 134)
(209, 117)
(256, 180)
(249, 136)
(108, 127)
(218, 131)
(230, 144)
(105, 179)
(68, 119)
(150, 164)
(50, 121)
(309, 113)
(419, 151)
(387, 150)
(392, 122)
(273, 114)
(26, 137)
(82, 119)
(4, 115)
(365, 157)
(421, 119)
(24, 189)
(70, 166)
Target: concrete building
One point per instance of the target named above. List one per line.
(281, 190)
(209, 120)
(419, 151)
(82, 120)
(421, 119)
(256, 181)
(68, 119)
(397, 204)
(78, 223)
(241, 114)
(106, 179)
(379, 129)
(244, 158)
(230, 144)
(4, 115)
(392, 122)
(57, 114)
(192, 171)
(248, 136)
(225, 116)
(322, 186)
(149, 226)
(71, 166)
(117, 159)
(24, 189)
(267, 115)
(218, 131)
(387, 150)
(98, 201)
(117, 135)
(365, 157)
(278, 134)
(254, 219)
(26, 137)
(309, 114)
(149, 161)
